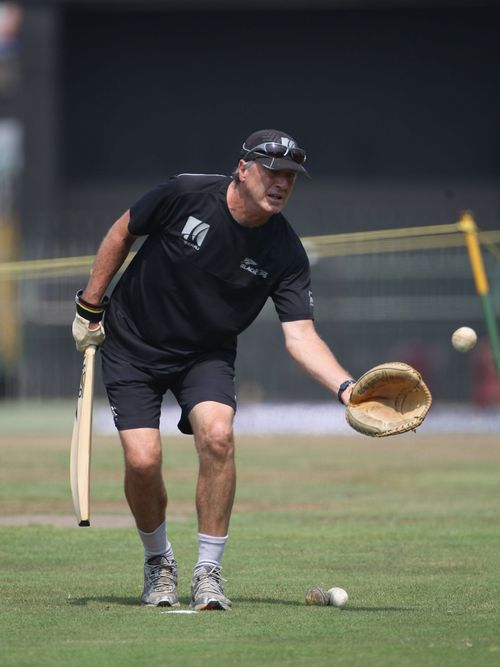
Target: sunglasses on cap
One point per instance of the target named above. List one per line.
(275, 150)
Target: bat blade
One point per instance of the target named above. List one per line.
(81, 440)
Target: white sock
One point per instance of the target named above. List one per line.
(156, 543)
(210, 549)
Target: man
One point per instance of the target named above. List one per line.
(217, 247)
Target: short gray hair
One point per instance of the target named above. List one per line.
(246, 165)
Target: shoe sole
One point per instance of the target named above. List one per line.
(161, 603)
(211, 605)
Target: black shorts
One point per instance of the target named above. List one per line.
(135, 393)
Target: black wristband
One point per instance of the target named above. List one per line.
(343, 387)
(93, 312)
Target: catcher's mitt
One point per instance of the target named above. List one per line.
(388, 399)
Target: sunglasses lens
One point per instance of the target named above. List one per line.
(278, 150)
(274, 150)
(298, 155)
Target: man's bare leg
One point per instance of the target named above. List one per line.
(144, 487)
(147, 498)
(212, 425)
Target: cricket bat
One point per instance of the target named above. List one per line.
(81, 440)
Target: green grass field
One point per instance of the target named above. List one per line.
(408, 526)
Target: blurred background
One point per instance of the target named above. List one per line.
(396, 103)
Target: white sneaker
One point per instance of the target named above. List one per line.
(206, 589)
(160, 582)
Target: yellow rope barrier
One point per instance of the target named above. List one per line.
(427, 237)
(378, 234)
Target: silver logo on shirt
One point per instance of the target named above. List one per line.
(194, 232)
(250, 265)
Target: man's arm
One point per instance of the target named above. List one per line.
(111, 254)
(87, 326)
(314, 356)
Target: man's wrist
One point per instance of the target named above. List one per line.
(93, 312)
(343, 387)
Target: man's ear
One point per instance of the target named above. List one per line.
(242, 171)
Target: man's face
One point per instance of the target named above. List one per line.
(268, 189)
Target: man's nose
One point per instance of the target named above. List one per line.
(283, 180)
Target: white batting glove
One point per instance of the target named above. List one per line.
(87, 325)
(84, 336)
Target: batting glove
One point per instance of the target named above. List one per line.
(87, 314)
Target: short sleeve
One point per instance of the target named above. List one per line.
(293, 297)
(151, 210)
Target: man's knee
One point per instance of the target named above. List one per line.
(142, 452)
(215, 439)
(212, 425)
(143, 467)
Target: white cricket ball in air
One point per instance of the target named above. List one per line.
(464, 339)
(338, 597)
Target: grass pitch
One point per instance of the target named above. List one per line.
(408, 526)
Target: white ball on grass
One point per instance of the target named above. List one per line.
(338, 597)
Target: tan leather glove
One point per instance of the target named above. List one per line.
(388, 399)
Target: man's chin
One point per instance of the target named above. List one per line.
(274, 207)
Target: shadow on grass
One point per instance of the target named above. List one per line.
(298, 603)
(109, 599)
(135, 602)
(295, 603)
(379, 609)
(291, 603)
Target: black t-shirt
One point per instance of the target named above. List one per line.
(200, 278)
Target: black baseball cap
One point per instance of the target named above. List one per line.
(274, 149)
